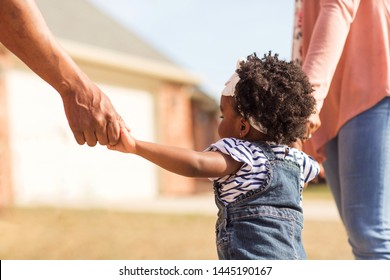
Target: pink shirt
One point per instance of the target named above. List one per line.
(346, 55)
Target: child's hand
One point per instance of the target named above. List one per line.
(126, 142)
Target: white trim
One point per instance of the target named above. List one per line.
(129, 63)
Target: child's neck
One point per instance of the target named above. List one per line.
(255, 135)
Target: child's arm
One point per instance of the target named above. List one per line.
(178, 160)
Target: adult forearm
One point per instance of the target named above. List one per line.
(327, 43)
(24, 32)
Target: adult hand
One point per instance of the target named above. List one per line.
(91, 116)
(312, 125)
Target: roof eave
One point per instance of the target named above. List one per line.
(129, 63)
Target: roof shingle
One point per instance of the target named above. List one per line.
(81, 21)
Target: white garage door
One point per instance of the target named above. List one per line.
(50, 168)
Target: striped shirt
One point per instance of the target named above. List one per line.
(253, 173)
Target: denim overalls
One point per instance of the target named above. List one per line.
(266, 223)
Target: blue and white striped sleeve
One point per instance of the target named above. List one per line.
(311, 168)
(235, 148)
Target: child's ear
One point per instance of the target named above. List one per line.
(245, 127)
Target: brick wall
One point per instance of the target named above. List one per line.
(175, 128)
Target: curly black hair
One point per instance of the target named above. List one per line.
(277, 94)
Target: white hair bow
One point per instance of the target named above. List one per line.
(230, 89)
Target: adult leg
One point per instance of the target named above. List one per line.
(364, 168)
(331, 166)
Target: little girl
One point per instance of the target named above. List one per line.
(258, 179)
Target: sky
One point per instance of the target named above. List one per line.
(206, 37)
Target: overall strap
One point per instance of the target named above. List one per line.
(266, 148)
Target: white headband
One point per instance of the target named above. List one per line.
(230, 85)
(229, 90)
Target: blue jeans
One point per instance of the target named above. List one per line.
(358, 172)
(266, 223)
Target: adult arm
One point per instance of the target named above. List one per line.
(326, 46)
(89, 111)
